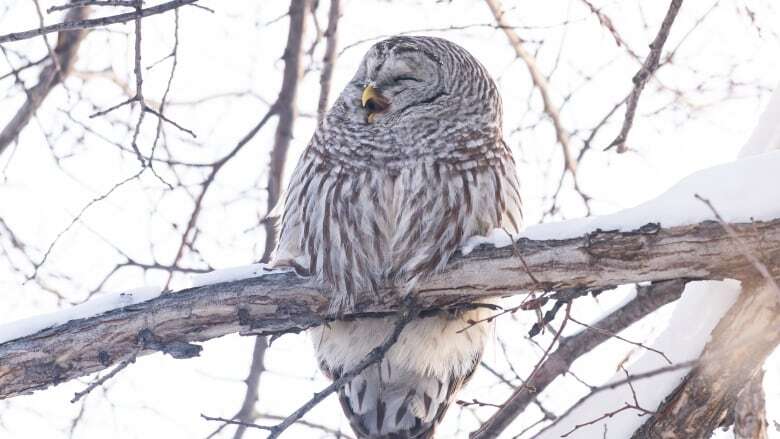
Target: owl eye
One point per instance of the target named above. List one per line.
(406, 78)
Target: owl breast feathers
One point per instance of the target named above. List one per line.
(408, 164)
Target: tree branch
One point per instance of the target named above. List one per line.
(284, 302)
(645, 73)
(286, 111)
(256, 369)
(706, 398)
(648, 299)
(95, 22)
(61, 65)
(539, 81)
(329, 58)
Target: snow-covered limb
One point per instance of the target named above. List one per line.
(286, 303)
(707, 398)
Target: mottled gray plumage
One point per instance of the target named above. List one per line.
(383, 196)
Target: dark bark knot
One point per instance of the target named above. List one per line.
(176, 349)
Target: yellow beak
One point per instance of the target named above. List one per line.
(369, 93)
(374, 102)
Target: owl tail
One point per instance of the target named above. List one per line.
(388, 401)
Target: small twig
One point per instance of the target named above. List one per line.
(644, 74)
(627, 406)
(80, 3)
(234, 422)
(331, 431)
(623, 339)
(95, 22)
(754, 260)
(619, 383)
(648, 299)
(103, 379)
(476, 402)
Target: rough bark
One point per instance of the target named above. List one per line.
(707, 397)
(286, 303)
(750, 411)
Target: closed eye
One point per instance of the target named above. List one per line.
(406, 78)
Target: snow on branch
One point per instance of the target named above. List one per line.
(614, 250)
(279, 303)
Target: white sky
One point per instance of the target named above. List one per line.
(236, 50)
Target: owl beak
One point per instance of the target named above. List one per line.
(374, 102)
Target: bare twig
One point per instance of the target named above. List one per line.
(80, 3)
(644, 74)
(256, 369)
(63, 58)
(623, 339)
(285, 107)
(75, 24)
(626, 406)
(619, 383)
(103, 379)
(751, 256)
(338, 434)
(648, 299)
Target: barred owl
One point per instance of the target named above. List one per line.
(407, 164)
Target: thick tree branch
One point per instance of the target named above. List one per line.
(750, 411)
(707, 397)
(284, 302)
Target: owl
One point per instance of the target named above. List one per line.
(407, 164)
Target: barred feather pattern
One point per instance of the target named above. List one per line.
(373, 207)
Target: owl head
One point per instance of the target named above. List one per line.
(407, 80)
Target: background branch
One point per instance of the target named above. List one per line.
(60, 66)
(648, 299)
(645, 73)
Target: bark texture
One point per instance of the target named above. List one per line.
(284, 302)
(712, 393)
